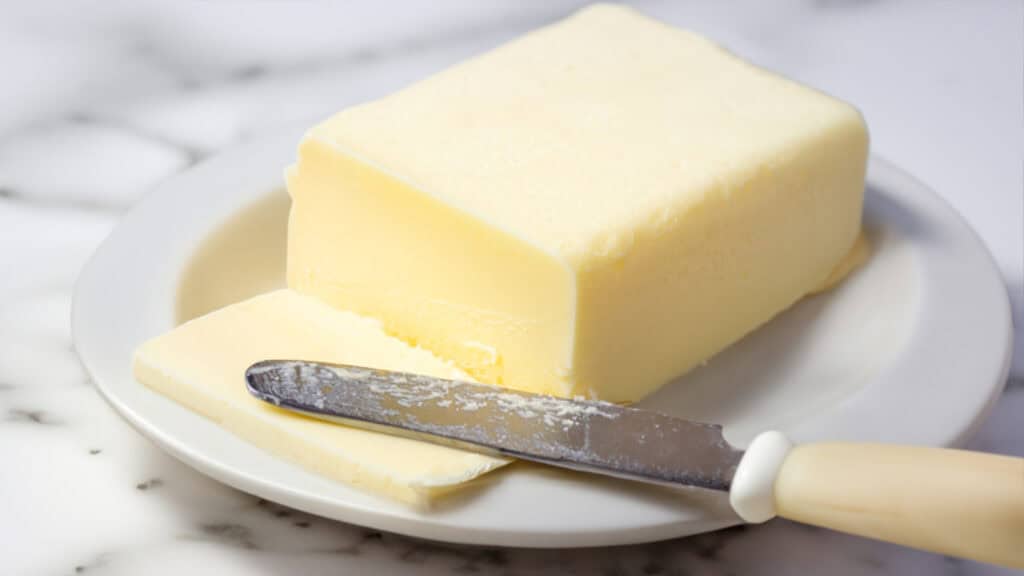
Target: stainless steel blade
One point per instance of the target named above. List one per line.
(581, 434)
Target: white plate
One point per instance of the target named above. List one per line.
(912, 348)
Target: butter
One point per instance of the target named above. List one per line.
(592, 209)
(201, 363)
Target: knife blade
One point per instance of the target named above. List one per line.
(587, 435)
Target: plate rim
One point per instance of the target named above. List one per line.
(882, 174)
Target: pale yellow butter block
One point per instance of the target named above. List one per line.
(591, 209)
(201, 364)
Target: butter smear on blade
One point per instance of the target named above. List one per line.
(201, 364)
(592, 209)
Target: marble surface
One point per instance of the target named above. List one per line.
(102, 100)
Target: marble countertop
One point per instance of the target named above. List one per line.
(100, 101)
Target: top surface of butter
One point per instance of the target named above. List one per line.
(591, 209)
(573, 135)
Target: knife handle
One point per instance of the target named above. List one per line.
(955, 502)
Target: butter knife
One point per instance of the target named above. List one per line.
(955, 502)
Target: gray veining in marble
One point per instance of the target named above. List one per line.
(101, 101)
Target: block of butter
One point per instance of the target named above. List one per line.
(201, 364)
(591, 209)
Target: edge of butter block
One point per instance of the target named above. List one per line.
(854, 259)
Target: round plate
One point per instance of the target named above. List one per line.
(912, 348)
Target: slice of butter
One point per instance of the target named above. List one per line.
(201, 364)
(592, 209)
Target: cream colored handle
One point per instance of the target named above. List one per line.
(954, 502)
